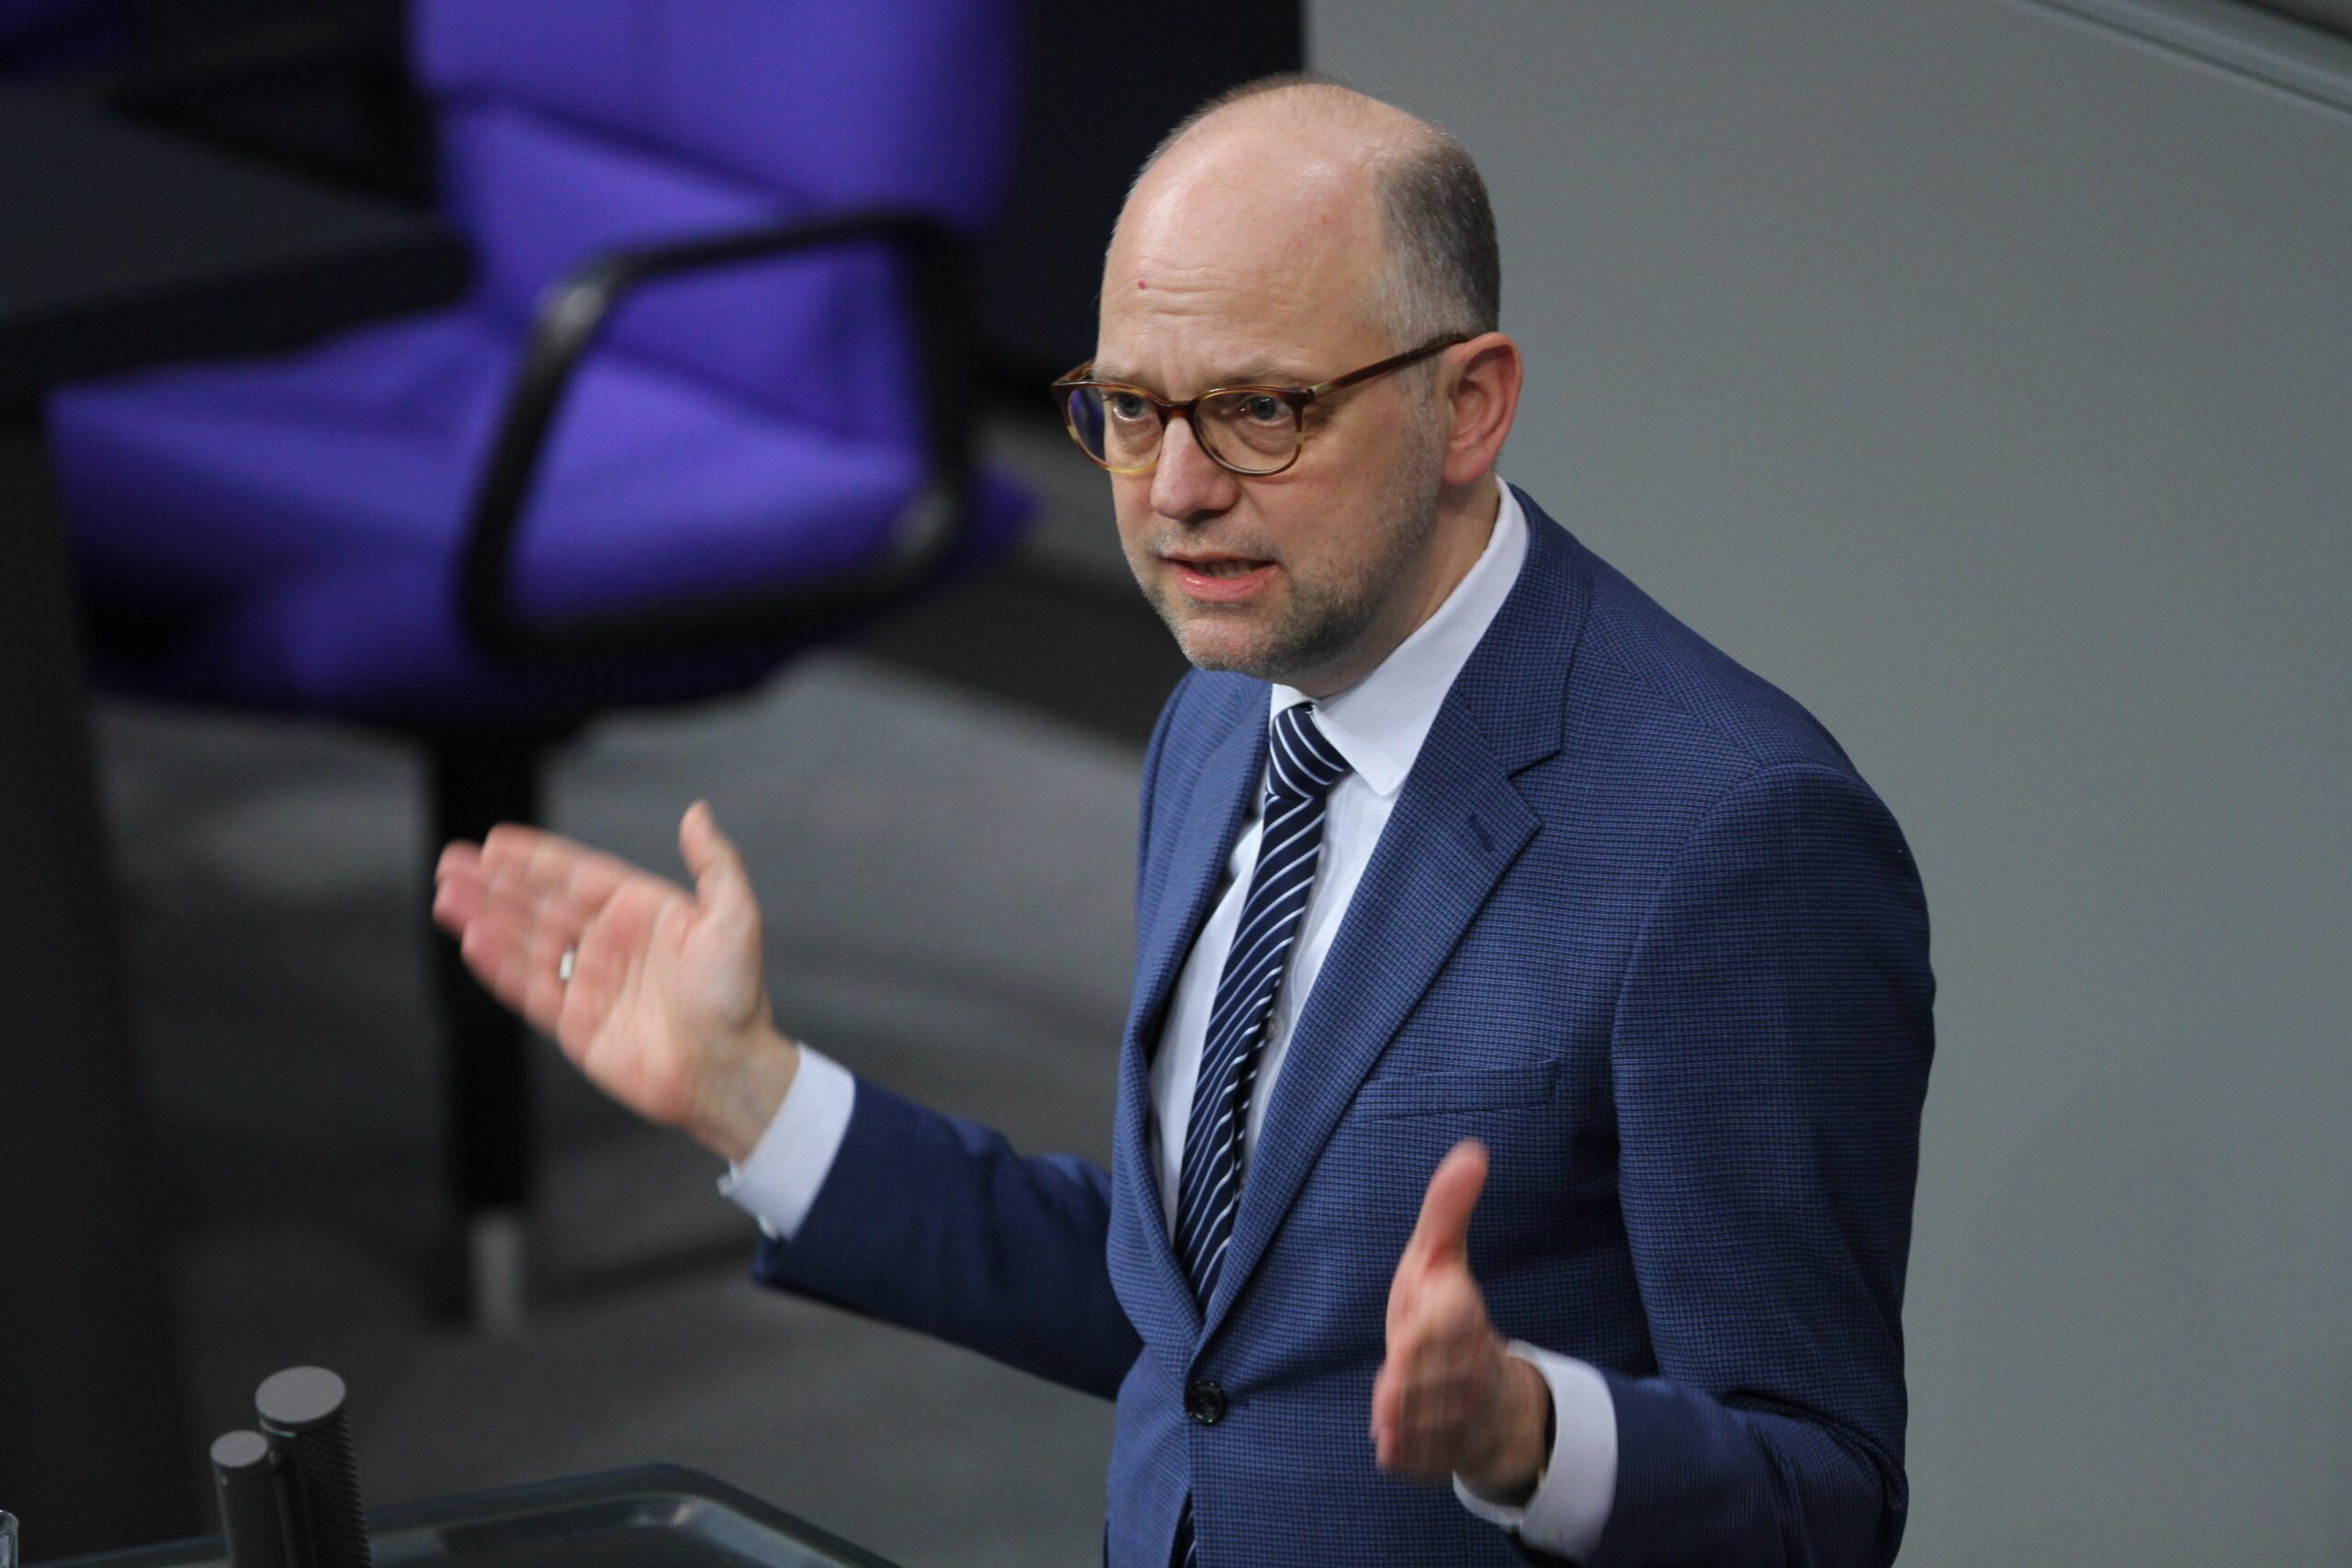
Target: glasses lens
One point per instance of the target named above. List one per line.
(1118, 429)
(1083, 408)
(1254, 432)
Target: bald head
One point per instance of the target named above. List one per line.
(1307, 166)
(1298, 106)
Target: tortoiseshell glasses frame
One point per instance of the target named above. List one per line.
(1250, 430)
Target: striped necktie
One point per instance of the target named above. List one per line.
(1301, 768)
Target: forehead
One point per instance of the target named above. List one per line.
(1239, 263)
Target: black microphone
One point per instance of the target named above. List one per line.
(303, 1419)
(253, 1500)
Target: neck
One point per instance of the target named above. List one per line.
(1458, 536)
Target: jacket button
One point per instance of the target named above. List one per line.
(1204, 1401)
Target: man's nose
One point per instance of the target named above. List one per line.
(1188, 482)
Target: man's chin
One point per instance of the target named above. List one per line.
(1217, 641)
(1258, 640)
(1214, 648)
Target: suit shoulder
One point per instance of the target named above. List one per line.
(1645, 681)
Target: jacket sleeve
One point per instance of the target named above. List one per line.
(935, 1223)
(1770, 1059)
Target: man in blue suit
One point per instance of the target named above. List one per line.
(1470, 879)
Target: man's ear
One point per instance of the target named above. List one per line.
(1482, 384)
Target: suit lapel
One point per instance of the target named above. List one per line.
(1457, 826)
(1208, 820)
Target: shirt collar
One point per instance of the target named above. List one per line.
(1379, 723)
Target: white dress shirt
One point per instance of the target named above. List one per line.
(1378, 726)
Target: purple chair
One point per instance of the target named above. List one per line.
(708, 399)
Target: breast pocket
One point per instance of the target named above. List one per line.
(1454, 1090)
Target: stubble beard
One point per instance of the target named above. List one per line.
(1319, 622)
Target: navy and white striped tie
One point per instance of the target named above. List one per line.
(1301, 768)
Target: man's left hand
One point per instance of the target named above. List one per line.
(1451, 1400)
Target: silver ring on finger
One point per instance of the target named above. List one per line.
(563, 966)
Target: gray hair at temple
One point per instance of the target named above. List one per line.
(1444, 271)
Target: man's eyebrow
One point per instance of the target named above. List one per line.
(1265, 373)
(1262, 373)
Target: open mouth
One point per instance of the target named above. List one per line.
(1220, 578)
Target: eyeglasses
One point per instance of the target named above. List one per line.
(1250, 430)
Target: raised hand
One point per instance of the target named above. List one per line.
(1450, 1399)
(665, 1009)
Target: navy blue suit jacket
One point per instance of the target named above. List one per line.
(1637, 924)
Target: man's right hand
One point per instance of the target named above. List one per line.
(666, 1010)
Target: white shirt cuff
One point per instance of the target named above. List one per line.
(1571, 1505)
(779, 1181)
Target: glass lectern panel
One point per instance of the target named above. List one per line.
(657, 1516)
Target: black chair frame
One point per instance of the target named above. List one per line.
(483, 778)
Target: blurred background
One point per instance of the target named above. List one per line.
(1980, 372)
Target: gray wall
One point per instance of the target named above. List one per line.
(1983, 378)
